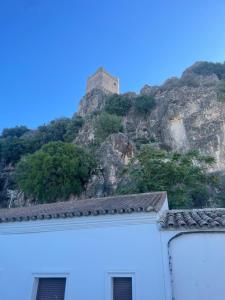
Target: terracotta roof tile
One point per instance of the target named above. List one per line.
(95, 206)
(193, 219)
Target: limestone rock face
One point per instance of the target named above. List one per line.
(149, 90)
(86, 134)
(187, 116)
(194, 119)
(113, 155)
(92, 102)
(10, 197)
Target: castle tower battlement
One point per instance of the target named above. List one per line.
(104, 81)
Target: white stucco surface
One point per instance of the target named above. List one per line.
(86, 250)
(198, 266)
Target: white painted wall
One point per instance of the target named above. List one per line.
(198, 266)
(90, 250)
(86, 250)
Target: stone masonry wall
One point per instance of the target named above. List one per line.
(104, 81)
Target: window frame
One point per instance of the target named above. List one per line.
(109, 282)
(37, 276)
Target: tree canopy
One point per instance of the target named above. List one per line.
(54, 172)
(118, 105)
(144, 104)
(107, 124)
(208, 68)
(14, 131)
(183, 176)
(18, 141)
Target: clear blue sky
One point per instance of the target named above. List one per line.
(49, 47)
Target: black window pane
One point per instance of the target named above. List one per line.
(122, 288)
(51, 289)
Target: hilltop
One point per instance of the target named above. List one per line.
(126, 132)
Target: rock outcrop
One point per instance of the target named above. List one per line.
(114, 153)
(187, 115)
(92, 102)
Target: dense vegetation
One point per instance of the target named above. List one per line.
(190, 77)
(183, 176)
(18, 141)
(144, 104)
(107, 124)
(209, 68)
(118, 105)
(221, 90)
(56, 171)
(46, 166)
(109, 120)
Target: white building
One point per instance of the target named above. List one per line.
(116, 248)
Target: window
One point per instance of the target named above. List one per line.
(122, 288)
(51, 288)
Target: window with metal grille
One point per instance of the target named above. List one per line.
(122, 288)
(51, 289)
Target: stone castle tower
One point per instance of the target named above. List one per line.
(104, 81)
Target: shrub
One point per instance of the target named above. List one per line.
(144, 104)
(17, 131)
(12, 149)
(107, 124)
(73, 128)
(54, 172)
(18, 141)
(221, 90)
(183, 176)
(209, 68)
(190, 80)
(118, 105)
(54, 131)
(141, 141)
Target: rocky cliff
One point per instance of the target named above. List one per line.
(189, 114)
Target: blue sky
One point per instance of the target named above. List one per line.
(49, 47)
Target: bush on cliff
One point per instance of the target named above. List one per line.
(144, 104)
(107, 124)
(209, 68)
(54, 172)
(220, 89)
(17, 131)
(183, 176)
(118, 105)
(18, 141)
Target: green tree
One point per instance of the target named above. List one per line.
(73, 128)
(208, 68)
(18, 141)
(54, 172)
(12, 149)
(183, 176)
(13, 144)
(220, 89)
(118, 105)
(144, 104)
(107, 124)
(63, 129)
(54, 131)
(17, 131)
